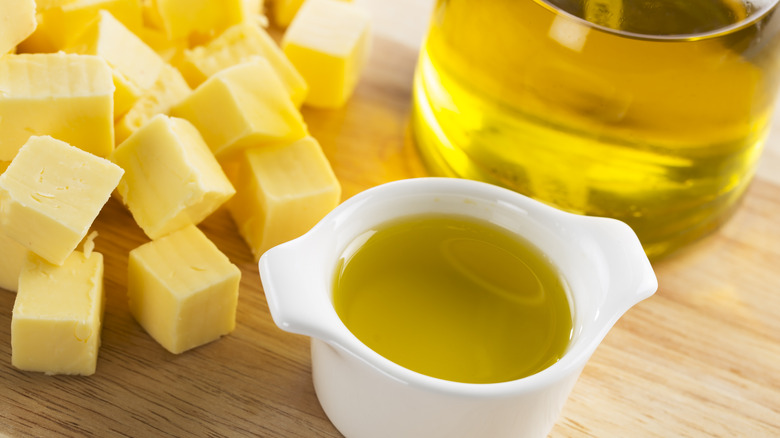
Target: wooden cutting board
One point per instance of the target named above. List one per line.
(700, 358)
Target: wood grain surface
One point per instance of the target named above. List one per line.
(700, 358)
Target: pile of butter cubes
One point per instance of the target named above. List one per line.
(177, 108)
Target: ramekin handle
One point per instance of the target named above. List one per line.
(292, 280)
(621, 263)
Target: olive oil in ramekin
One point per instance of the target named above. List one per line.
(454, 298)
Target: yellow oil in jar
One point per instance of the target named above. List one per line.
(656, 115)
(454, 298)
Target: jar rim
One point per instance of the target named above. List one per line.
(761, 8)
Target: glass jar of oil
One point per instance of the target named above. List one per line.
(653, 112)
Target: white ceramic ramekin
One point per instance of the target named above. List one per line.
(366, 395)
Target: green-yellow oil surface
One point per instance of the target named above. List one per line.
(454, 298)
(660, 129)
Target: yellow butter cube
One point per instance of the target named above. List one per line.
(50, 195)
(169, 50)
(12, 257)
(57, 315)
(169, 89)
(12, 254)
(328, 43)
(151, 18)
(42, 5)
(195, 19)
(37, 41)
(65, 96)
(182, 290)
(240, 43)
(283, 11)
(62, 22)
(242, 106)
(171, 178)
(135, 65)
(17, 22)
(281, 192)
(253, 8)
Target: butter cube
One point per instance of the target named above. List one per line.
(253, 8)
(242, 106)
(61, 22)
(12, 254)
(50, 195)
(196, 19)
(57, 315)
(182, 290)
(169, 89)
(240, 43)
(17, 22)
(42, 5)
(135, 65)
(169, 50)
(283, 11)
(12, 257)
(328, 43)
(171, 178)
(66, 96)
(281, 192)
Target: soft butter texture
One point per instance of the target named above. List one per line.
(50, 195)
(169, 89)
(63, 95)
(281, 192)
(183, 290)
(57, 315)
(240, 43)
